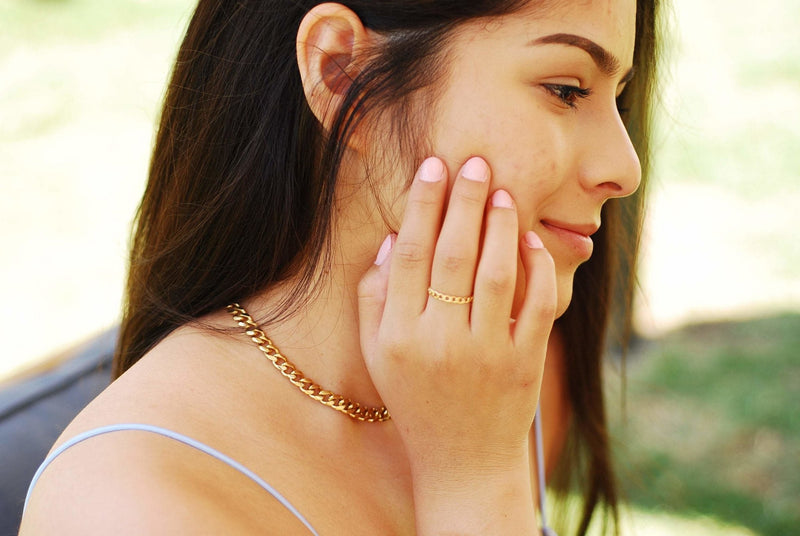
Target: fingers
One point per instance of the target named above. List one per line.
(456, 255)
(536, 317)
(496, 278)
(372, 296)
(443, 253)
(413, 250)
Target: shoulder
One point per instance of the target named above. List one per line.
(139, 482)
(121, 483)
(132, 483)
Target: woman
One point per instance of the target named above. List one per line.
(281, 180)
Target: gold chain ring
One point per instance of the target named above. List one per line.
(449, 298)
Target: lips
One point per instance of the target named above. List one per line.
(585, 229)
(576, 236)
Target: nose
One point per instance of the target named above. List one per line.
(610, 166)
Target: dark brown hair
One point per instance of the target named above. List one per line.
(240, 161)
(603, 293)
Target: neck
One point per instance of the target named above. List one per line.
(322, 338)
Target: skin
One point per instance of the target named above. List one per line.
(449, 462)
(560, 164)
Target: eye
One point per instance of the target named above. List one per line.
(569, 95)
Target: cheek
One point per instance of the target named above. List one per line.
(527, 152)
(533, 165)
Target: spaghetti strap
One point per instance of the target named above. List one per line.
(177, 437)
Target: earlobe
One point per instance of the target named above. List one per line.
(328, 39)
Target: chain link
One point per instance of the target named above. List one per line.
(288, 370)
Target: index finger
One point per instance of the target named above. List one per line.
(412, 254)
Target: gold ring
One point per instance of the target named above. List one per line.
(447, 298)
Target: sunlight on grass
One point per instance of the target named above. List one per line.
(643, 523)
(639, 521)
(710, 427)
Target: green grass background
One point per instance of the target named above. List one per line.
(711, 426)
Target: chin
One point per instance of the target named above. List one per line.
(565, 278)
(564, 283)
(564, 297)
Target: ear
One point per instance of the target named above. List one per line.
(328, 40)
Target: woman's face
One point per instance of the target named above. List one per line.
(534, 93)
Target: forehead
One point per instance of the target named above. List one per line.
(609, 23)
(616, 10)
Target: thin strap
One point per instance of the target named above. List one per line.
(177, 437)
(537, 431)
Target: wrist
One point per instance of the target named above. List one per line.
(478, 501)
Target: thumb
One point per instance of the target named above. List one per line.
(372, 290)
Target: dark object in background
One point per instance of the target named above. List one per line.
(35, 410)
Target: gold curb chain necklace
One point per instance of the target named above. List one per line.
(288, 370)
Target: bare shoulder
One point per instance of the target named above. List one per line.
(137, 482)
(131, 483)
(182, 382)
(119, 484)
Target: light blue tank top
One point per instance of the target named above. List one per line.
(546, 531)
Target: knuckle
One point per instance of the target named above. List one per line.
(453, 262)
(425, 202)
(545, 313)
(469, 197)
(446, 363)
(367, 289)
(499, 283)
(410, 254)
(393, 347)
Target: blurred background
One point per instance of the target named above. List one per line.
(708, 433)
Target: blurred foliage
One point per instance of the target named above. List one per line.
(712, 427)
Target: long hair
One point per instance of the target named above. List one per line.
(242, 179)
(603, 294)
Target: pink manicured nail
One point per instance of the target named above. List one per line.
(386, 248)
(431, 170)
(475, 169)
(533, 241)
(501, 199)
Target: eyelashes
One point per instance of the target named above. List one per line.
(571, 95)
(568, 95)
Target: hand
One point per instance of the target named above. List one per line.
(461, 381)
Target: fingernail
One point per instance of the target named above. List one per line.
(533, 241)
(386, 248)
(475, 169)
(501, 199)
(431, 170)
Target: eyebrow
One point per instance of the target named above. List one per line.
(605, 60)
